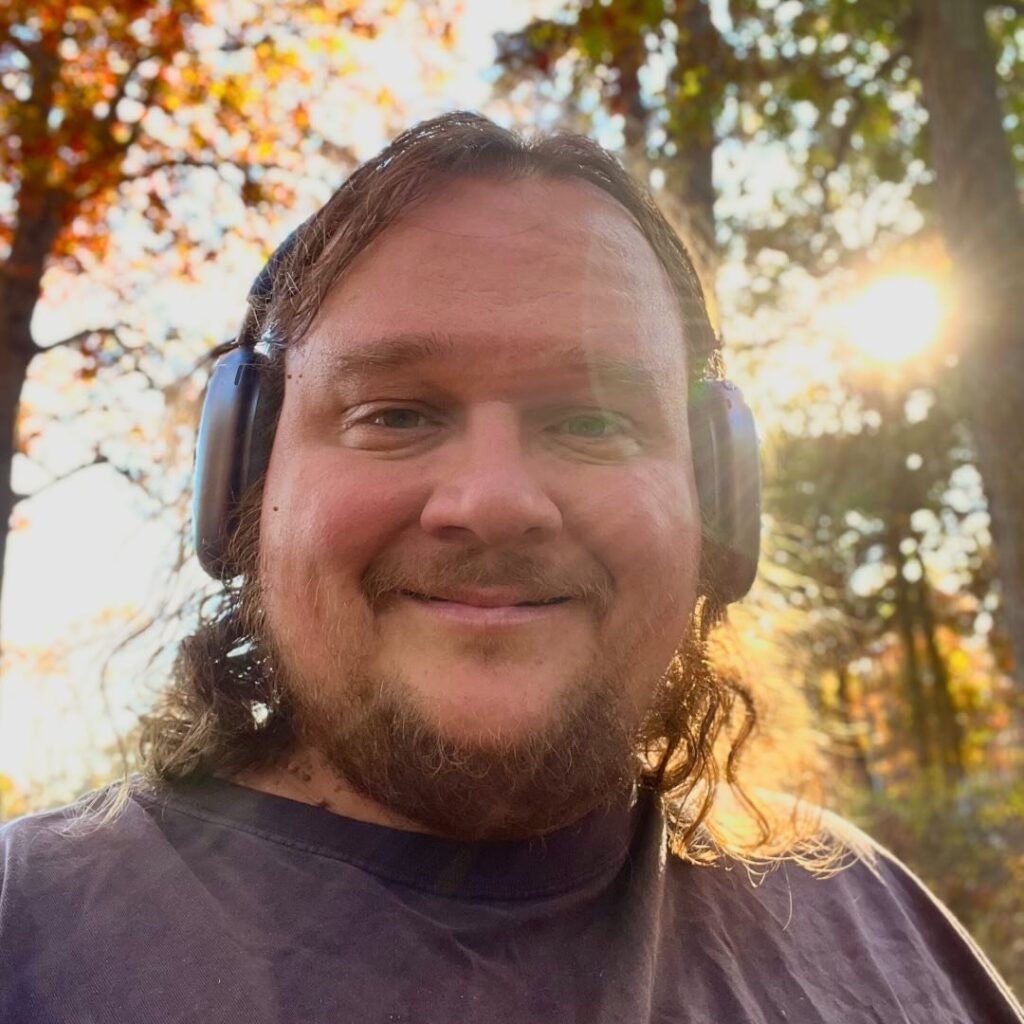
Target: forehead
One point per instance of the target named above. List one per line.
(513, 274)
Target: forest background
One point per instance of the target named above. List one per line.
(847, 173)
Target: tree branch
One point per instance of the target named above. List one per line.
(740, 347)
(858, 106)
(172, 163)
(122, 86)
(76, 339)
(98, 459)
(15, 43)
(206, 359)
(147, 103)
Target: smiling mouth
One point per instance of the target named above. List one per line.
(517, 604)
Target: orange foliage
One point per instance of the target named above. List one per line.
(95, 95)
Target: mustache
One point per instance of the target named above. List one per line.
(591, 583)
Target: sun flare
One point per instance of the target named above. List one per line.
(894, 318)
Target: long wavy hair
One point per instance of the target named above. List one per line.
(223, 713)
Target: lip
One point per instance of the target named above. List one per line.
(492, 615)
(485, 597)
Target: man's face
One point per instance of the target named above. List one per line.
(480, 533)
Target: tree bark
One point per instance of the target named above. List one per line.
(21, 278)
(700, 44)
(852, 732)
(951, 738)
(689, 174)
(687, 197)
(37, 223)
(13, 369)
(912, 676)
(983, 225)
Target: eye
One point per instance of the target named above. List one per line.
(593, 426)
(397, 418)
(597, 434)
(388, 428)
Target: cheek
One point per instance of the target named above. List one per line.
(320, 520)
(649, 535)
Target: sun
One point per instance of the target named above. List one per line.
(895, 318)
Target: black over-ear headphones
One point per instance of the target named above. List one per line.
(236, 435)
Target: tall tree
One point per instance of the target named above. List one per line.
(983, 224)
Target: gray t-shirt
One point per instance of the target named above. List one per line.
(214, 903)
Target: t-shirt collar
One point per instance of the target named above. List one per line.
(556, 862)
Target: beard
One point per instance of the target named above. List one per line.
(370, 728)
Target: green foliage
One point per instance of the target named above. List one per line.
(830, 79)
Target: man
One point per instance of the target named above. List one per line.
(426, 761)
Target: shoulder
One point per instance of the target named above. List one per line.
(39, 851)
(91, 897)
(834, 867)
(845, 910)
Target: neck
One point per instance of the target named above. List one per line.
(305, 778)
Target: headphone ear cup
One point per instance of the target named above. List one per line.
(727, 467)
(257, 437)
(232, 450)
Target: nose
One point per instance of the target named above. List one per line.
(489, 487)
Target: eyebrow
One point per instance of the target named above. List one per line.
(404, 351)
(391, 352)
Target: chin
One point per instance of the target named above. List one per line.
(432, 729)
(489, 727)
(480, 704)
(435, 742)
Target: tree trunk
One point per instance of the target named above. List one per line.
(852, 731)
(687, 197)
(951, 739)
(912, 677)
(20, 284)
(700, 47)
(983, 225)
(688, 174)
(13, 369)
